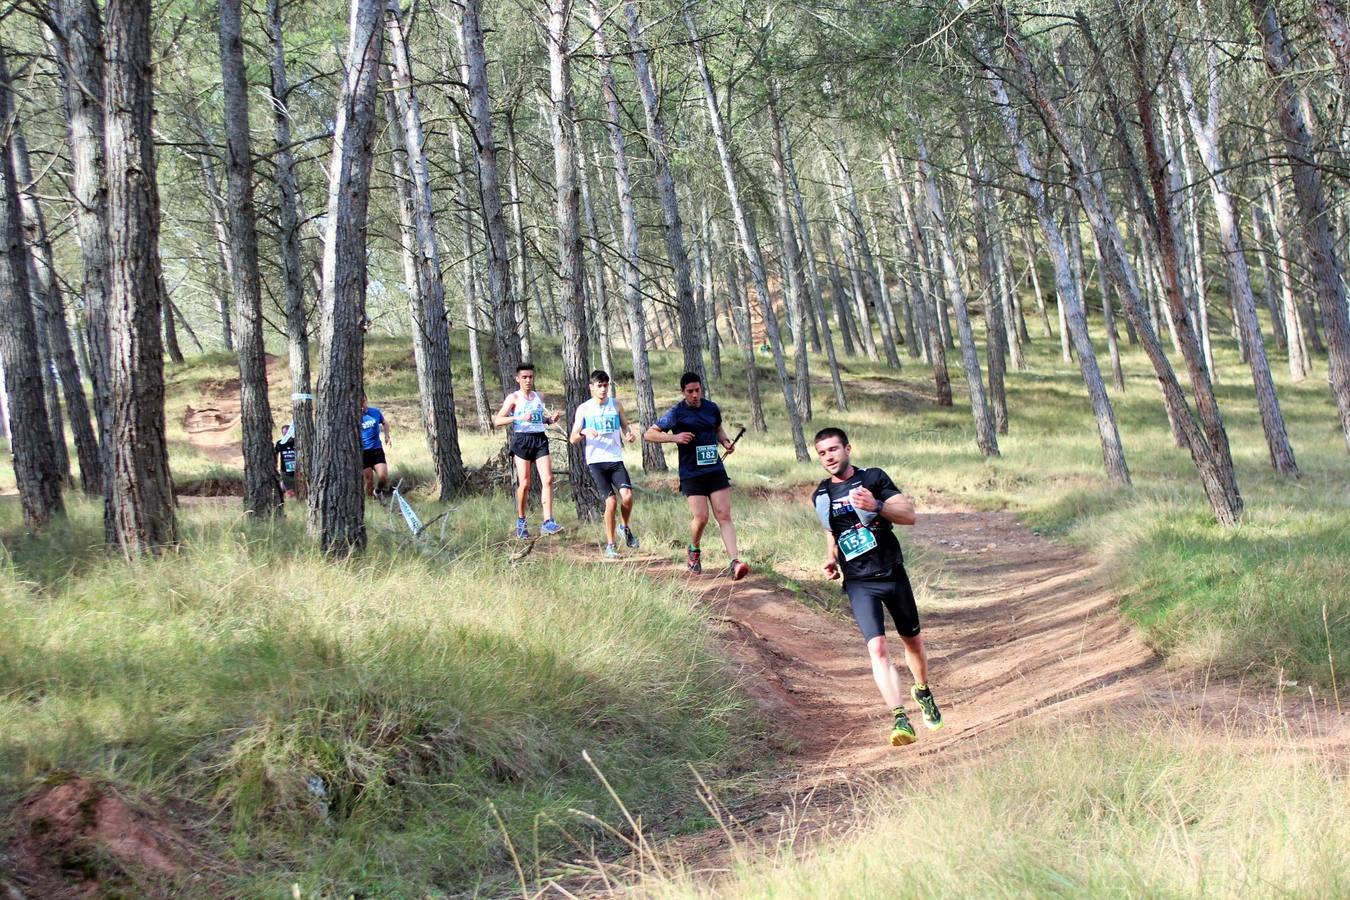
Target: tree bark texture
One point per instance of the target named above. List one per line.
(262, 491)
(336, 506)
(142, 490)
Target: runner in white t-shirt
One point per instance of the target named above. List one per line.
(601, 422)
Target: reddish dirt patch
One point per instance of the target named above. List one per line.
(210, 428)
(82, 839)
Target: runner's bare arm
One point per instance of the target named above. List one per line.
(629, 428)
(728, 445)
(576, 435)
(505, 415)
(899, 510)
(657, 436)
(388, 438)
(831, 566)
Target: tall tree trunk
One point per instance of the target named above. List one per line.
(1260, 238)
(866, 265)
(262, 492)
(1314, 212)
(518, 229)
(571, 269)
(500, 291)
(659, 147)
(471, 317)
(142, 491)
(792, 264)
(600, 295)
(985, 436)
(995, 333)
(740, 317)
(78, 49)
(31, 445)
(927, 316)
(336, 507)
(653, 460)
(1205, 133)
(53, 332)
(171, 346)
(292, 271)
(841, 316)
(430, 328)
(749, 240)
(1331, 16)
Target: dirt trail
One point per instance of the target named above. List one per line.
(211, 425)
(1018, 629)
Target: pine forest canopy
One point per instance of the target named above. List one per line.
(928, 185)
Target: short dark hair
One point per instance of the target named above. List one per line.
(689, 378)
(831, 432)
(599, 376)
(525, 366)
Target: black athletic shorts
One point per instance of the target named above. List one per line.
(868, 599)
(529, 445)
(705, 485)
(372, 458)
(610, 477)
(288, 481)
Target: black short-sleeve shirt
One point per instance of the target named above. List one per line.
(875, 563)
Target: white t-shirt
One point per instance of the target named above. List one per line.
(604, 418)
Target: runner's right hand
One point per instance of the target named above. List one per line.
(684, 437)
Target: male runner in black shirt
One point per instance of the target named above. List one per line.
(858, 508)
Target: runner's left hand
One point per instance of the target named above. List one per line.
(730, 448)
(862, 498)
(831, 570)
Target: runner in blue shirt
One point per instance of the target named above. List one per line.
(695, 426)
(372, 451)
(858, 508)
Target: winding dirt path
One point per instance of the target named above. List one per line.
(1020, 630)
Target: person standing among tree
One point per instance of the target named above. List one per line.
(601, 423)
(373, 464)
(695, 426)
(858, 509)
(525, 410)
(285, 454)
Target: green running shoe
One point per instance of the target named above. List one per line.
(903, 732)
(932, 716)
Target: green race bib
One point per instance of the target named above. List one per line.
(856, 541)
(706, 455)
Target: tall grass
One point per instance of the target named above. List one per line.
(1154, 810)
(356, 725)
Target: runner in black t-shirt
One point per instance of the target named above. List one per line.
(694, 425)
(285, 453)
(858, 509)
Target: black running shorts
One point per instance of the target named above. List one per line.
(529, 446)
(610, 477)
(705, 485)
(371, 458)
(869, 598)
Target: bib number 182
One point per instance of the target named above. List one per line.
(706, 455)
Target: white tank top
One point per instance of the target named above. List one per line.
(529, 413)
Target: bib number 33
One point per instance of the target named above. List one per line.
(856, 541)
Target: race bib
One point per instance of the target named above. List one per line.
(605, 424)
(535, 416)
(856, 541)
(706, 455)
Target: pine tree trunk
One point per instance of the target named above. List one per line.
(995, 333)
(142, 490)
(740, 317)
(658, 146)
(292, 271)
(471, 319)
(749, 240)
(336, 505)
(1260, 238)
(571, 269)
(78, 50)
(867, 269)
(500, 291)
(653, 460)
(927, 312)
(1314, 213)
(518, 231)
(600, 295)
(262, 492)
(429, 323)
(985, 436)
(1244, 303)
(841, 316)
(1331, 17)
(792, 264)
(31, 443)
